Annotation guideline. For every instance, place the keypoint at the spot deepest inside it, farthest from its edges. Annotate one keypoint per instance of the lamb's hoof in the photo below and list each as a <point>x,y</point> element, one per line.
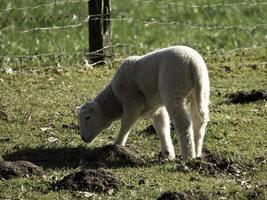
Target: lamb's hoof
<point>189,157</point>
<point>166,156</point>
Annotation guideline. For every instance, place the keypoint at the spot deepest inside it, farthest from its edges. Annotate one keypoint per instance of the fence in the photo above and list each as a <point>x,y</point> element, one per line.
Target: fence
<point>43,33</point>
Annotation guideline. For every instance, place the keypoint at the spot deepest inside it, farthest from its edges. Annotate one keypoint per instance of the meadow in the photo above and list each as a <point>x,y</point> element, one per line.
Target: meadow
<point>43,78</point>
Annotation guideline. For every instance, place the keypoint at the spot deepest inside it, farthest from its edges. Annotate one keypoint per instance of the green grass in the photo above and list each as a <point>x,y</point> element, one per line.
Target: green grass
<point>40,94</point>
<point>46,99</point>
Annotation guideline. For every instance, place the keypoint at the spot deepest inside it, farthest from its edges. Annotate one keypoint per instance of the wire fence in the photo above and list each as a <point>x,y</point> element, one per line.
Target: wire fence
<point>241,27</point>
<point>42,33</point>
<point>207,5</point>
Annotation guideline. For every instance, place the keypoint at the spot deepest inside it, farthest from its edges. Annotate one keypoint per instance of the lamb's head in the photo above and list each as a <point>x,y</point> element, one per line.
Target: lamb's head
<point>91,120</point>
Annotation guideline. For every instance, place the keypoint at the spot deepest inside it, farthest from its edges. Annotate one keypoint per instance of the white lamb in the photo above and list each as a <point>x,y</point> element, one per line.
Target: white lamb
<point>169,82</point>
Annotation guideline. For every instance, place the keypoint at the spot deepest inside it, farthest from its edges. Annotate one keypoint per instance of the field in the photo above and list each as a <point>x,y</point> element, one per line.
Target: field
<point>40,89</point>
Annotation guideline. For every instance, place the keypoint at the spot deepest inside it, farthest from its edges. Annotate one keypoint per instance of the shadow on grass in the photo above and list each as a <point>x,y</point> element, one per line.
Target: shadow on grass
<point>67,157</point>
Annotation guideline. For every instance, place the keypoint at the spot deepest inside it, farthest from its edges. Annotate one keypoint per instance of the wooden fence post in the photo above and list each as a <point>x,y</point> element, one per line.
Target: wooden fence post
<point>96,53</point>
<point>106,17</point>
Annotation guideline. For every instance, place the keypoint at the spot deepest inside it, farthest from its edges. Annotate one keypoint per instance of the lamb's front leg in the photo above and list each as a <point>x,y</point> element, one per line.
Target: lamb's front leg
<point>127,122</point>
<point>131,113</point>
<point>161,123</point>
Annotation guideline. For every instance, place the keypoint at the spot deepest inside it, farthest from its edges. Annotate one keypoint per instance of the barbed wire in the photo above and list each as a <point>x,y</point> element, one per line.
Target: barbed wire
<point>119,45</point>
<point>209,5</point>
<point>198,26</point>
<point>55,3</point>
<point>151,21</point>
<point>58,54</point>
<point>146,2</point>
<point>73,17</point>
<point>42,18</point>
<point>239,49</point>
<point>246,28</point>
<point>86,17</point>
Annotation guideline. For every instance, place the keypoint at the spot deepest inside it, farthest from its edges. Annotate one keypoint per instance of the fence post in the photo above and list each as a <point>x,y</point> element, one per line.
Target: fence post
<point>106,17</point>
<point>96,53</point>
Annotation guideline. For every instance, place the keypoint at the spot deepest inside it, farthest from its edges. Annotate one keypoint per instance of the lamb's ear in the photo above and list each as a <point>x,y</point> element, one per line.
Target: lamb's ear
<point>77,111</point>
<point>92,106</point>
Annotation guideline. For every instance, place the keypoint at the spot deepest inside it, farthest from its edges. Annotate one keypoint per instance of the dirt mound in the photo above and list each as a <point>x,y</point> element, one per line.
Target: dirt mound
<point>214,164</point>
<point>249,194</point>
<point>256,193</point>
<point>89,180</point>
<point>116,156</point>
<point>9,170</point>
<point>187,195</point>
<point>243,97</point>
<point>107,156</point>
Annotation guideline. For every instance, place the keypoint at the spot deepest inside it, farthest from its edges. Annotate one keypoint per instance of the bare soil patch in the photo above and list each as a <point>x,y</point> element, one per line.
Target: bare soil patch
<point>3,115</point>
<point>108,156</point>
<point>9,169</point>
<point>215,164</point>
<point>116,156</point>
<point>256,193</point>
<point>187,195</point>
<point>243,97</point>
<point>89,180</point>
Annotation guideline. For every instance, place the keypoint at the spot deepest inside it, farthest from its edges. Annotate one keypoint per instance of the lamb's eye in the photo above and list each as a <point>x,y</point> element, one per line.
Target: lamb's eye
<point>87,117</point>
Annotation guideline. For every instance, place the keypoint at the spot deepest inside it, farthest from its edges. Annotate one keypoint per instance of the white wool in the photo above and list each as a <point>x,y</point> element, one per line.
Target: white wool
<point>168,83</point>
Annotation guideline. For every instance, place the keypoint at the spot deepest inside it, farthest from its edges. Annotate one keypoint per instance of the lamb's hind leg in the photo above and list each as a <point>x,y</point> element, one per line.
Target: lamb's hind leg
<point>183,126</point>
<point>199,123</point>
<point>161,123</point>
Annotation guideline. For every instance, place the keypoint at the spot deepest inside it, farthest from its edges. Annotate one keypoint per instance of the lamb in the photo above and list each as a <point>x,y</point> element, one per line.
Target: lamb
<point>170,83</point>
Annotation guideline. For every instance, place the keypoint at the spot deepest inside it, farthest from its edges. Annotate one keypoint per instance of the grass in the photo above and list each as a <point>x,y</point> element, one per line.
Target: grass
<point>40,94</point>
<point>34,100</point>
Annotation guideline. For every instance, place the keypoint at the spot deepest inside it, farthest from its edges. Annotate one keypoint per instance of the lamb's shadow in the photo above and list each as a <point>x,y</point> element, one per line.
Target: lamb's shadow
<point>66,157</point>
